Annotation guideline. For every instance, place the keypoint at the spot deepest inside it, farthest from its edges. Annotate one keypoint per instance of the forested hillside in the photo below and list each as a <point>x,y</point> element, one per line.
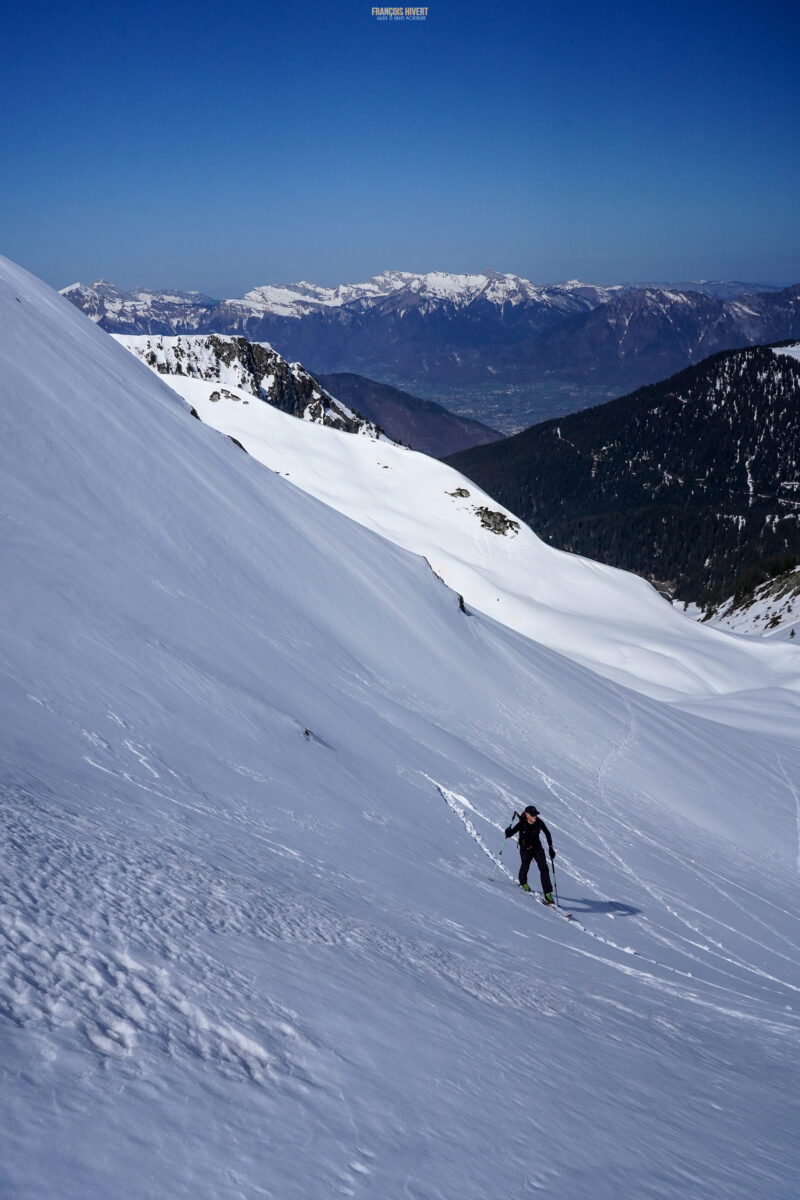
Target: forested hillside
<point>688,482</point>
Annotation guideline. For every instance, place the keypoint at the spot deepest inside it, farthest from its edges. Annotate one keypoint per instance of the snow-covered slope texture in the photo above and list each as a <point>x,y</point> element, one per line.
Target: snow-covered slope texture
<point>791,350</point>
<point>255,761</point>
<point>254,367</point>
<point>606,619</point>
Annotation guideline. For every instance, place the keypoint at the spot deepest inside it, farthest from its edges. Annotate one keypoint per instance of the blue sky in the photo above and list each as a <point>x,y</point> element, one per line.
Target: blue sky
<point>201,146</point>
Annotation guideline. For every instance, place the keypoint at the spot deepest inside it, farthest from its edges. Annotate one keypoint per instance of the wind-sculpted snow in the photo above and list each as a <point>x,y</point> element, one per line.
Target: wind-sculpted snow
<point>256,763</point>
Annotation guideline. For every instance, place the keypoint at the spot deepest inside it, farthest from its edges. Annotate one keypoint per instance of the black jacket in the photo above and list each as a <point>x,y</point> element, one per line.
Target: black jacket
<point>529,833</point>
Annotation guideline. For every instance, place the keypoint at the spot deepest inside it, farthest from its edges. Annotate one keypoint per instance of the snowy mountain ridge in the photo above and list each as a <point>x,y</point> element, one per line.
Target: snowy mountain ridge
<point>298,299</point>
<point>102,299</point>
<point>501,568</point>
<point>179,312</point>
<point>247,367</point>
<point>492,347</point>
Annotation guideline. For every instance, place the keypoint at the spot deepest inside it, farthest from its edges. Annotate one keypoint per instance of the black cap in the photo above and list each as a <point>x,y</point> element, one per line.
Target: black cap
<point>532,810</point>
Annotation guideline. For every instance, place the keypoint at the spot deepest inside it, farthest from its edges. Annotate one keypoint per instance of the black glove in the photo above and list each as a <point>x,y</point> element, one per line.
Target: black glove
<point>552,853</point>
<point>508,831</point>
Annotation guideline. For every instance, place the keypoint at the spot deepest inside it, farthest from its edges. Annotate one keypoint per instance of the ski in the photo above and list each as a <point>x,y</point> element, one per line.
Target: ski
<point>556,907</point>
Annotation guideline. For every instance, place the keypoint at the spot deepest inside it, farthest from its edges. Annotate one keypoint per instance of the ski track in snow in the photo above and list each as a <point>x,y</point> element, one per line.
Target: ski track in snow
<point>709,945</point>
<point>796,798</point>
<point>458,803</point>
<point>606,810</point>
<point>145,756</point>
<point>560,792</point>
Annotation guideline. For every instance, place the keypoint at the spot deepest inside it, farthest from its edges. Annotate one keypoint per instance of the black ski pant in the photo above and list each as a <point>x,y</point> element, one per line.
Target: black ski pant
<point>527,854</point>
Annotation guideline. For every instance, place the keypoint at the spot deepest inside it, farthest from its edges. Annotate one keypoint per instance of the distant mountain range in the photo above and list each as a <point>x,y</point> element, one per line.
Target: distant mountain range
<point>141,310</point>
<point>690,482</point>
<point>492,347</point>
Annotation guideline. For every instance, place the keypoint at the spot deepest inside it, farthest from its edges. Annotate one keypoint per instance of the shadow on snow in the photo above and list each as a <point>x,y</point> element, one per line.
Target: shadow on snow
<point>613,907</point>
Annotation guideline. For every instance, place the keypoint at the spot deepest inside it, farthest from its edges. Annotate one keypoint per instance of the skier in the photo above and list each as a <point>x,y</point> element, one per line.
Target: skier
<point>529,827</point>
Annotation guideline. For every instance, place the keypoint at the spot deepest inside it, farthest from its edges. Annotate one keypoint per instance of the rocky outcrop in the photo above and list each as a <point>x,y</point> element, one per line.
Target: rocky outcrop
<point>252,367</point>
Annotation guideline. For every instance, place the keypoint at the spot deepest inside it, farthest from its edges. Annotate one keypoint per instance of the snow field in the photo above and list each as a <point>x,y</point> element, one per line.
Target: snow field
<point>256,763</point>
<point>606,619</point>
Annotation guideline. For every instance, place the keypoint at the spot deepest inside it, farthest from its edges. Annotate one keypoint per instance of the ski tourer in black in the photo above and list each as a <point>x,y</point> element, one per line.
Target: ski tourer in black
<point>530,827</point>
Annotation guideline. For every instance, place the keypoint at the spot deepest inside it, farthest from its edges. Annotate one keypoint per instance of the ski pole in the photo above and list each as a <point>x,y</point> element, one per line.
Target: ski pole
<point>497,860</point>
<point>502,848</point>
<point>555,883</point>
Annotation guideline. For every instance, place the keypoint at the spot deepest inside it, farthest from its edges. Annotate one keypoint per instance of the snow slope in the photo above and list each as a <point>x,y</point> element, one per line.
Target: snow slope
<point>255,761</point>
<point>770,611</point>
<point>606,619</point>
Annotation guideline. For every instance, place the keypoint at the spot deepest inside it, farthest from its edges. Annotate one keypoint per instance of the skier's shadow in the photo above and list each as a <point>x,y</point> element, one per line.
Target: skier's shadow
<point>613,907</point>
